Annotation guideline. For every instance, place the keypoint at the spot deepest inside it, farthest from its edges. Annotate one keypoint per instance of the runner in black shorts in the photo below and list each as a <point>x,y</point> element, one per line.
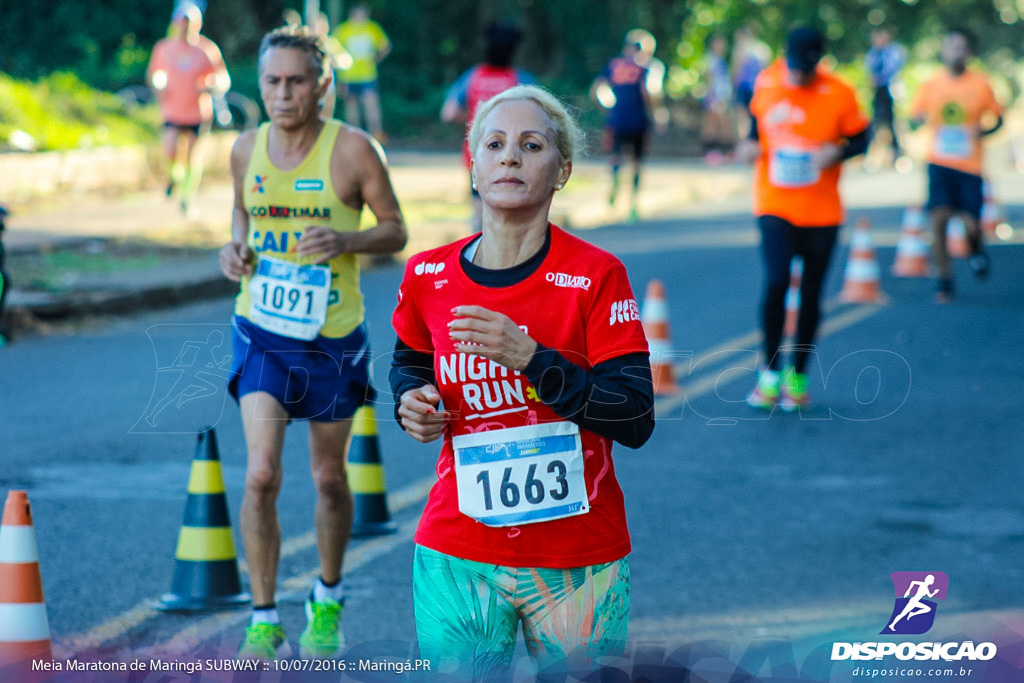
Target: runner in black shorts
<point>954,103</point>
<point>621,88</point>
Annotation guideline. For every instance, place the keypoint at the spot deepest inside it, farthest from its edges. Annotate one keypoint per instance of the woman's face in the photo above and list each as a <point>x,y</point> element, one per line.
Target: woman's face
<point>516,162</point>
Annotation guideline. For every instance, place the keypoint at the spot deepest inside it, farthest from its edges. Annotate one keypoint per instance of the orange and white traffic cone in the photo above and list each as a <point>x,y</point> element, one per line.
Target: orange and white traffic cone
<point>24,628</point>
<point>654,317</point>
<point>956,238</point>
<point>796,273</point>
<point>911,250</point>
<point>992,215</point>
<point>861,284</point>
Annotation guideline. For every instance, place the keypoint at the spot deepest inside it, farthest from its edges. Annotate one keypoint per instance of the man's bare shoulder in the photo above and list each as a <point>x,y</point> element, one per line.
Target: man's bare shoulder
<point>241,150</point>
<point>355,144</point>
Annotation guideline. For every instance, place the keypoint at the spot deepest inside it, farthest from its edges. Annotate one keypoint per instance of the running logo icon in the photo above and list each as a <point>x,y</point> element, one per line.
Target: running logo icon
<point>916,592</point>
<point>258,187</point>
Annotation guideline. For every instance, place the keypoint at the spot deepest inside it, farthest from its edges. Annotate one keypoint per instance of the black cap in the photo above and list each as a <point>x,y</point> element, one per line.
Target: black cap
<point>805,46</point>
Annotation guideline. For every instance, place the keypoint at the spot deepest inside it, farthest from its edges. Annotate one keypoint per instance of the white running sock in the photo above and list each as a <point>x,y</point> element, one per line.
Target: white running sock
<point>321,591</point>
<point>265,616</point>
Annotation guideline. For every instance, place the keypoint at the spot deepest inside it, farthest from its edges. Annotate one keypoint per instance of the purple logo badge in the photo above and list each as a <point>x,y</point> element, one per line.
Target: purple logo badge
<point>916,592</point>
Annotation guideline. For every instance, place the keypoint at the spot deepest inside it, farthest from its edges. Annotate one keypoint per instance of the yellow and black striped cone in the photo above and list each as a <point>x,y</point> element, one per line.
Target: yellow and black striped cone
<point>366,478</point>
<point>206,568</point>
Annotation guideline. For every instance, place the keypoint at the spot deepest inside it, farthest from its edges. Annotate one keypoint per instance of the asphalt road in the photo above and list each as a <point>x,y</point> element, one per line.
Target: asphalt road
<point>758,539</point>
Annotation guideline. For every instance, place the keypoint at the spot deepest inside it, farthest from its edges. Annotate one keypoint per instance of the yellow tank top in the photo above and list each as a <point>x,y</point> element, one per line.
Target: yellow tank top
<point>282,204</point>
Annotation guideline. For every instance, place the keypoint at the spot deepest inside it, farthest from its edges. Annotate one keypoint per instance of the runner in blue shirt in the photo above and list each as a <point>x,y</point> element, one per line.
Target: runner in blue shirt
<point>621,88</point>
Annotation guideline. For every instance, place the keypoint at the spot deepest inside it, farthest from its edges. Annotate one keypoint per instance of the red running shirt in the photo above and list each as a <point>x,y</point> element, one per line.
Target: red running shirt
<point>579,302</point>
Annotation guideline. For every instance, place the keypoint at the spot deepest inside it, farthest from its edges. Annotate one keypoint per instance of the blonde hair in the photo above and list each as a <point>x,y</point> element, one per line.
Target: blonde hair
<point>569,139</point>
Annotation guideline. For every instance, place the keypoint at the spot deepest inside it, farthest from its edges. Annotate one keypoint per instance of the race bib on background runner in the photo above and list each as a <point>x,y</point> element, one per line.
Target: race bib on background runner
<point>953,142</point>
<point>289,299</point>
<point>521,475</point>
<point>791,168</point>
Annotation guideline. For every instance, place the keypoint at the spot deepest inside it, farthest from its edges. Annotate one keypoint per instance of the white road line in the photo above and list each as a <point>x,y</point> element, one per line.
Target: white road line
<point>696,386</point>
<point>358,554</point>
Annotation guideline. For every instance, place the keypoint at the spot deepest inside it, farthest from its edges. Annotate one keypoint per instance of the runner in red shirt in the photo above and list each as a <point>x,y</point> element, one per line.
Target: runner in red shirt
<point>482,82</point>
<point>522,348</point>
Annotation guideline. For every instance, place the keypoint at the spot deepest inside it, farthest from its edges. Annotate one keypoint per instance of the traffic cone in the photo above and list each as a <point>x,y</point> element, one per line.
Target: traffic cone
<point>24,628</point>
<point>654,318</point>
<point>911,250</point>
<point>861,283</point>
<point>205,568</point>
<point>366,478</point>
<point>992,215</point>
<point>956,238</point>
<point>796,273</point>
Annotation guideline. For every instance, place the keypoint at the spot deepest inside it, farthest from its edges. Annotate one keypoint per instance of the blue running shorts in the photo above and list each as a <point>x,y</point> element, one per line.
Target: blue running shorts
<point>324,380</point>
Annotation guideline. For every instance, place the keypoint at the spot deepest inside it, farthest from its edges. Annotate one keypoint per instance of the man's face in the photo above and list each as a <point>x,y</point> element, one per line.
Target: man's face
<point>290,87</point>
<point>955,50</point>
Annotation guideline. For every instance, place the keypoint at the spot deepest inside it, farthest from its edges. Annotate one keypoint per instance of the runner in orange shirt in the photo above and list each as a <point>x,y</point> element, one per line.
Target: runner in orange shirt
<point>184,69</point>
<point>806,122</point>
<point>955,103</point>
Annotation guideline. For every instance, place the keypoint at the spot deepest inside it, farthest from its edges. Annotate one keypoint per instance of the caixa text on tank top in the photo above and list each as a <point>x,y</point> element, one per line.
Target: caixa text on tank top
<point>278,241</point>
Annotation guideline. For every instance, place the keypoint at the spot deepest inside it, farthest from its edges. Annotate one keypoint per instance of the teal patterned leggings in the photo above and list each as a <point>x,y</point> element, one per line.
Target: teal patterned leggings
<point>468,614</point>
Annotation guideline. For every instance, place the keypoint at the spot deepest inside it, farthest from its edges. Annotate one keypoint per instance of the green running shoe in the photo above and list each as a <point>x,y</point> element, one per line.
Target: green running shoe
<point>794,394</point>
<point>264,642</point>
<point>322,638</point>
<point>766,393</point>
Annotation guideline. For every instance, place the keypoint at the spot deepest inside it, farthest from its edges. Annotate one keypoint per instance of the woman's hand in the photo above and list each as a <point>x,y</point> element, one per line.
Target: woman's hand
<point>491,335</point>
<point>420,417</point>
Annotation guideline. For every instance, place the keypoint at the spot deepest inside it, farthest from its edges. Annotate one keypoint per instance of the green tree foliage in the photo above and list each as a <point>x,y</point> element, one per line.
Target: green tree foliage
<point>106,43</point>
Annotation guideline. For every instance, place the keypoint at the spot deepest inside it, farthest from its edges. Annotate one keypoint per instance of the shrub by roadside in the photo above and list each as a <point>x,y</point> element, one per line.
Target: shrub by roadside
<point>60,112</point>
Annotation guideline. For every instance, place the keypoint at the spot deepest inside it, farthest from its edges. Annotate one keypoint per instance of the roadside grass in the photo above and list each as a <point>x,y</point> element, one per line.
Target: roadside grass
<point>60,112</point>
<point>95,261</point>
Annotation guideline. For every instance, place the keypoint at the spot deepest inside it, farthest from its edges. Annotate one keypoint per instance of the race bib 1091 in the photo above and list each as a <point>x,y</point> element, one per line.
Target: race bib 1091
<point>289,299</point>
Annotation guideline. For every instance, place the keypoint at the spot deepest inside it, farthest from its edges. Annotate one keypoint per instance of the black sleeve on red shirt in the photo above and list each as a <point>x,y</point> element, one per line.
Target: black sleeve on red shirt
<point>410,369</point>
<point>615,399</point>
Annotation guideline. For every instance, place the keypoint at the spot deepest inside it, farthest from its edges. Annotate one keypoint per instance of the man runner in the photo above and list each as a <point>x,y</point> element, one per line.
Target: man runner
<point>954,103</point>
<point>300,345</point>
<point>621,88</point>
